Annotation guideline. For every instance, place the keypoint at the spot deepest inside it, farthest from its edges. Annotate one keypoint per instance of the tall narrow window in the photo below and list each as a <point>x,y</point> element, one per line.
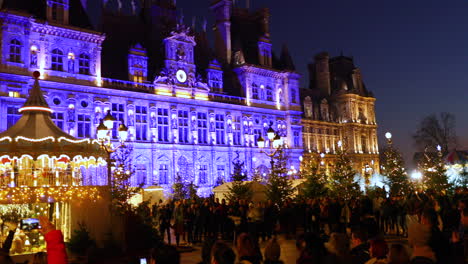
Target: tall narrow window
<point>203,174</point>
<point>57,60</point>
<point>202,122</point>
<point>83,64</point>
<point>257,134</point>
<point>140,173</point>
<point>255,91</point>
<point>58,119</point>
<point>221,173</point>
<point>118,112</point>
<point>84,126</point>
<point>219,119</point>
<point>296,139</point>
<point>15,51</point>
<point>163,173</point>
<point>12,115</point>
<point>141,117</point>
<point>237,133</point>
<point>138,73</point>
<point>293,96</point>
<point>163,125</point>
<point>269,93</point>
<point>183,127</point>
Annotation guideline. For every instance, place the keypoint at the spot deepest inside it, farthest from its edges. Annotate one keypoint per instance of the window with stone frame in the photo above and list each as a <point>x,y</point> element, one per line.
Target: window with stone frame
<point>183,126</point>
<point>221,172</point>
<point>58,118</point>
<point>163,173</point>
<point>84,126</point>
<point>202,124</point>
<point>203,174</point>
<point>257,134</point>
<point>163,125</point>
<point>140,174</point>
<point>255,92</point>
<point>364,144</point>
<point>219,124</point>
<point>138,73</point>
<point>83,64</point>
<point>57,60</point>
<point>141,123</point>
<point>118,112</point>
<point>15,50</point>
<point>269,93</point>
<point>236,131</point>
<point>13,115</point>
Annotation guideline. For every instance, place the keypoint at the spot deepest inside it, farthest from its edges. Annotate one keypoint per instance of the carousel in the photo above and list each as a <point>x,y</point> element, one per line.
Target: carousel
<point>43,170</point>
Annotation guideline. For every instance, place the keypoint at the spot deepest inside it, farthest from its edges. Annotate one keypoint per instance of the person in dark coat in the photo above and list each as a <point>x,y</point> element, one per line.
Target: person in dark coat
<point>359,246</point>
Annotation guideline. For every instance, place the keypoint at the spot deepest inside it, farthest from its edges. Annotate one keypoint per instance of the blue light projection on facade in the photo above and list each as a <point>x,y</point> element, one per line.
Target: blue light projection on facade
<point>182,121</point>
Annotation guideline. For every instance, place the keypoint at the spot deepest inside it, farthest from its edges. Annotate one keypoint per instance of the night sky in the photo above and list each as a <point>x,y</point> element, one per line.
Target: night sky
<point>413,54</point>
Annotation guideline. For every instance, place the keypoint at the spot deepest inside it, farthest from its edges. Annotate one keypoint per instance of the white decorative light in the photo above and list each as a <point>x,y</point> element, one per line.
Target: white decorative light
<point>388,135</point>
<point>35,140</point>
<point>439,148</point>
<point>416,175</point>
<point>35,108</point>
<point>340,143</point>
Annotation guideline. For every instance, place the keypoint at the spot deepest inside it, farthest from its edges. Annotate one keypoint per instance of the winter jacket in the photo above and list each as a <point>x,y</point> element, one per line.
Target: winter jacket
<point>56,253</point>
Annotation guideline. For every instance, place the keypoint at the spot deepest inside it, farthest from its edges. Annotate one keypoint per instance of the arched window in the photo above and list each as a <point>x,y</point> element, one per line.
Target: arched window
<point>15,51</point>
<point>83,62</point>
<point>57,60</point>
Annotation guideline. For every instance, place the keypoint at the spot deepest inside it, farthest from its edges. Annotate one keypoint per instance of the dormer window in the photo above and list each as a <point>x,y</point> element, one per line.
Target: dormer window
<point>137,64</point>
<point>57,11</point>
<point>15,51</point>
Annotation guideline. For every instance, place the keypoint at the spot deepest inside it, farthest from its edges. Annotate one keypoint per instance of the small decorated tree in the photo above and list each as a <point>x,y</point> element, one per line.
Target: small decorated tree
<point>279,187</point>
<point>315,177</point>
<point>239,189</point>
<point>342,177</point>
<point>434,173</point>
<point>393,167</point>
<point>179,188</point>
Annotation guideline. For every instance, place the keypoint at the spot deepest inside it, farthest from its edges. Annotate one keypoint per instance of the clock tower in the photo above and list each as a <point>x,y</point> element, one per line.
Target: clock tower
<point>179,77</point>
<point>179,56</point>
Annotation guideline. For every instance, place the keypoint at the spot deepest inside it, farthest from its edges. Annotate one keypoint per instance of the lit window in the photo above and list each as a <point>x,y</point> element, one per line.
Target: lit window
<point>15,51</point>
<point>58,119</point>
<point>13,94</point>
<point>140,174</point>
<point>221,172</point>
<point>236,135</point>
<point>297,138</point>
<point>83,64</point>
<point>118,112</point>
<point>84,126</point>
<point>255,91</point>
<point>57,60</point>
<point>269,94</point>
<point>203,174</point>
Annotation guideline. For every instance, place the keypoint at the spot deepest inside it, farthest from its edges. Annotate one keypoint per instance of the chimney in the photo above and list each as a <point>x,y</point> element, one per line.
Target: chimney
<point>222,10</point>
<point>322,73</point>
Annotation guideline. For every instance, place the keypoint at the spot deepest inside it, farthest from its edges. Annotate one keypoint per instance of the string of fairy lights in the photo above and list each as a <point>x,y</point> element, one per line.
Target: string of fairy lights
<point>23,195</point>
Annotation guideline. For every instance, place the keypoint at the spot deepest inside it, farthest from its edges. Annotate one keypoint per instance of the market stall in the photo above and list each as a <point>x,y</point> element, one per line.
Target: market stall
<point>44,171</point>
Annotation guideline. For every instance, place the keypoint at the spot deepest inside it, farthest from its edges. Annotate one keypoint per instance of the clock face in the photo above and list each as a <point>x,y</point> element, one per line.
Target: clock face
<point>181,76</point>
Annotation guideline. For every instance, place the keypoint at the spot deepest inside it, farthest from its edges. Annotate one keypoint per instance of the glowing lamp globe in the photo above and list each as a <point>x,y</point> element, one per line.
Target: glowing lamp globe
<point>439,148</point>
<point>322,155</point>
<point>123,132</point>
<point>340,143</point>
<point>277,141</point>
<point>109,120</point>
<point>388,135</point>
<point>416,175</point>
<point>261,142</point>
<point>300,158</point>
<point>101,131</point>
<point>271,133</point>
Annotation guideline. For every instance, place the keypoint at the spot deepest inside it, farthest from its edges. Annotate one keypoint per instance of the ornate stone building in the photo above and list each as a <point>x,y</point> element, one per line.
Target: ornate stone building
<point>338,107</point>
<point>189,107</point>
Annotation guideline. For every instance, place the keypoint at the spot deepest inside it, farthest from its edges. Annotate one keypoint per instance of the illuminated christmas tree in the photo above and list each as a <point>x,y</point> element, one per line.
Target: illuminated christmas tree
<point>342,177</point>
<point>179,189</point>
<point>239,189</point>
<point>279,187</point>
<point>315,177</point>
<point>434,173</point>
<point>393,167</point>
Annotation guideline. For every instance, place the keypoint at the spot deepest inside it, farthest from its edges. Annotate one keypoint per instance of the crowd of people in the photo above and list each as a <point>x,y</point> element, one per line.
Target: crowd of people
<point>333,230</point>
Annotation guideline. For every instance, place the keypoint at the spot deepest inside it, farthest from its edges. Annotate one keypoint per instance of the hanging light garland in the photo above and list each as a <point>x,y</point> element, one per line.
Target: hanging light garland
<point>22,195</point>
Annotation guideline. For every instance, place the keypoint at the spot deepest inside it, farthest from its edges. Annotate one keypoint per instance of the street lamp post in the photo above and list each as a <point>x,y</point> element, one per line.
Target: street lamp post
<point>274,145</point>
<point>104,137</point>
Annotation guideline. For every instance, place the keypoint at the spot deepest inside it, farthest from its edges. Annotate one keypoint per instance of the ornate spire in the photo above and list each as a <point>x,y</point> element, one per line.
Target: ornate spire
<point>36,101</point>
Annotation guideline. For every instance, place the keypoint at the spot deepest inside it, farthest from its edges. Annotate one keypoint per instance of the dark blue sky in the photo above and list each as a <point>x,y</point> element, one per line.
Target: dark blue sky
<point>413,54</point>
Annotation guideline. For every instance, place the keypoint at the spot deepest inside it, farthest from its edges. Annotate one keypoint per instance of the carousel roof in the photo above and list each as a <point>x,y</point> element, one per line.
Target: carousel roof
<point>36,134</point>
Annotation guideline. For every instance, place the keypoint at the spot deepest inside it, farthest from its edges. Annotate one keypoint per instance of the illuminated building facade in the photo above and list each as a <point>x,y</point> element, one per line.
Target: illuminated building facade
<point>189,108</point>
<point>338,107</point>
